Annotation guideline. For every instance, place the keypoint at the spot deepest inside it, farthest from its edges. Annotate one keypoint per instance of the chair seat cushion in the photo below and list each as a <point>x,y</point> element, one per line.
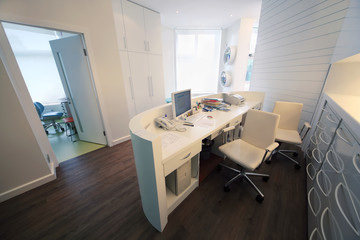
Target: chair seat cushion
<point>288,136</point>
<point>52,115</point>
<point>243,153</point>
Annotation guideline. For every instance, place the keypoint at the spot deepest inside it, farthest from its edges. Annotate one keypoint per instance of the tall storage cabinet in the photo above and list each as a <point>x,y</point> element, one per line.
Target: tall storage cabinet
<point>333,170</point>
<point>139,40</point>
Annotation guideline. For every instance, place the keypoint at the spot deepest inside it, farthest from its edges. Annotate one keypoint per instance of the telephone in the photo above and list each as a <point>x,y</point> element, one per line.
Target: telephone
<point>164,123</point>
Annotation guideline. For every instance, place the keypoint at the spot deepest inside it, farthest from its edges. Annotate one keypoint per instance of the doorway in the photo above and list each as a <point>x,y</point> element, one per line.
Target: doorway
<point>49,76</point>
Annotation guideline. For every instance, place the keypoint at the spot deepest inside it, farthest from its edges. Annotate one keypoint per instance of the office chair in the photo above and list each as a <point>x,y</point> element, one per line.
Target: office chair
<point>255,145</point>
<point>287,132</point>
<point>48,117</point>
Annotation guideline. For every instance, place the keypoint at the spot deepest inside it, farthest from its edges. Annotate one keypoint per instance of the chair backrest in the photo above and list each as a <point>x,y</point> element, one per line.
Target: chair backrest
<point>260,128</point>
<point>290,113</point>
<point>39,108</point>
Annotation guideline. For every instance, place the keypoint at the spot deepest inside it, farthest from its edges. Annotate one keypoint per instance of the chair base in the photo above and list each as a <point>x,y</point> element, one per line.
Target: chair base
<point>244,175</point>
<point>53,124</point>
<point>284,153</point>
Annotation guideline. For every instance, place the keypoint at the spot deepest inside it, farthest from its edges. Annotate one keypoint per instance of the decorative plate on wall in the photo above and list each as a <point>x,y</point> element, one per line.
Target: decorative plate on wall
<point>225,79</point>
<point>229,55</point>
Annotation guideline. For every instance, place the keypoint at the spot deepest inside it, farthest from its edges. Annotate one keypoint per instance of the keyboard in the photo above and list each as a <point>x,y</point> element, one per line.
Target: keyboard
<point>194,118</point>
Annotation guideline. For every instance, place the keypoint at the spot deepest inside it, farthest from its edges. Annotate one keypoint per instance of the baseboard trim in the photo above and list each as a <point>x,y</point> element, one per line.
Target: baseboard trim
<point>120,140</point>
<point>26,187</point>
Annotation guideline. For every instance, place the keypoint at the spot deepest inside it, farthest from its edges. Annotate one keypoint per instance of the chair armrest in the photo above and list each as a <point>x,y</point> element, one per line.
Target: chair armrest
<point>308,127</point>
<point>272,147</point>
<point>225,130</point>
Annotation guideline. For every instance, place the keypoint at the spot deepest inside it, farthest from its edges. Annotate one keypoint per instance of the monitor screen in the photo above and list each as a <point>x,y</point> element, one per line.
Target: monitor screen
<point>181,102</point>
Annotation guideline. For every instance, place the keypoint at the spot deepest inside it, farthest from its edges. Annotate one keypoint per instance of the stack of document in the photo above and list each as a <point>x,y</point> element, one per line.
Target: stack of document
<point>213,102</point>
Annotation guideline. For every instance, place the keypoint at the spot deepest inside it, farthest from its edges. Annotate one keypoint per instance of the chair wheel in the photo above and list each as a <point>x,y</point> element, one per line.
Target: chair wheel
<point>295,154</point>
<point>265,178</point>
<point>226,189</point>
<point>297,166</point>
<point>62,129</point>
<point>47,132</point>
<point>259,198</point>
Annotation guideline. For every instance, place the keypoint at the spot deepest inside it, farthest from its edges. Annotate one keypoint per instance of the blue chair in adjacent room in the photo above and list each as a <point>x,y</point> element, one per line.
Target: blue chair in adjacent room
<point>48,119</point>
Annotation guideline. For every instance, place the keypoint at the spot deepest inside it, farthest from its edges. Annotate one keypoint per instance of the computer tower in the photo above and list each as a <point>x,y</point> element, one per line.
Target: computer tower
<point>180,179</point>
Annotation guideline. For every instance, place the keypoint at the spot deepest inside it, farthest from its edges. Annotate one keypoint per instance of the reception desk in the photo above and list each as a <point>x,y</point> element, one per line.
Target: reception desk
<point>158,153</point>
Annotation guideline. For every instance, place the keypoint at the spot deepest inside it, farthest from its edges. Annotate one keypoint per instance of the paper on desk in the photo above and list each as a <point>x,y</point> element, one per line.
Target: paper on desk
<point>206,122</point>
<point>170,141</point>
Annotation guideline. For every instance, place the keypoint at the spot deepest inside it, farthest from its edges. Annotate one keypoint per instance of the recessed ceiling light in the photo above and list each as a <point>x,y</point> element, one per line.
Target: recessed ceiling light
<point>231,15</point>
<point>177,12</point>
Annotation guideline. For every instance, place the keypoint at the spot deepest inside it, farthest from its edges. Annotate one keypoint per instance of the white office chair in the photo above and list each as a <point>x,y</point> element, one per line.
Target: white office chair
<point>287,132</point>
<point>255,145</point>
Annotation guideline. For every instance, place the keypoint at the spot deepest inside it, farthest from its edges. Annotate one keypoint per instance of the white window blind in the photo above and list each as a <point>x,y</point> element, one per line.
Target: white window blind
<point>197,60</point>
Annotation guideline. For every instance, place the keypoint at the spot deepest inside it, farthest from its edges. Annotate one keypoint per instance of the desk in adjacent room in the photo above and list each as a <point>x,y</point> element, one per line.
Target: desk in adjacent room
<point>155,158</point>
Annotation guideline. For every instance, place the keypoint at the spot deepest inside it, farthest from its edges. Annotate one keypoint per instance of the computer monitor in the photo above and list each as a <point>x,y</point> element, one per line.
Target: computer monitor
<point>181,103</point>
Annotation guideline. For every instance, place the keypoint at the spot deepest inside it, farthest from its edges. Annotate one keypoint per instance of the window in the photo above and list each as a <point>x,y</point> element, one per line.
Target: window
<point>197,60</point>
<point>37,65</point>
<point>251,53</point>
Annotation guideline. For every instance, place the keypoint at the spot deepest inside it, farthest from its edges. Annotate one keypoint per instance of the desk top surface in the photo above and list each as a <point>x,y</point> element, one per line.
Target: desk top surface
<point>174,142</point>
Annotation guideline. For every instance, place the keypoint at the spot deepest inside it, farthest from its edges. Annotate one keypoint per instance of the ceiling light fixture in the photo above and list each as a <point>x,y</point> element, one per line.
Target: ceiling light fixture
<point>177,12</point>
<point>231,15</point>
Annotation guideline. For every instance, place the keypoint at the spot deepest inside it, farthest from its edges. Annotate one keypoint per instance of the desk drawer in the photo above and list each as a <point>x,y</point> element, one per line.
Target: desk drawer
<point>181,158</point>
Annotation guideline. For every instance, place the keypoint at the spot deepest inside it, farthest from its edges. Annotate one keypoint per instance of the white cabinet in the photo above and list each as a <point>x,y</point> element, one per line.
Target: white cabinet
<point>140,79</point>
<point>153,31</point>
<point>139,40</point>
<point>129,88</point>
<point>119,24</point>
<point>156,74</point>
<point>142,27</point>
<point>144,81</point>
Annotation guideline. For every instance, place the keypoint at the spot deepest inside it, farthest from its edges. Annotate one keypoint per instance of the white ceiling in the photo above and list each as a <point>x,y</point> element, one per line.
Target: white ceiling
<point>202,13</point>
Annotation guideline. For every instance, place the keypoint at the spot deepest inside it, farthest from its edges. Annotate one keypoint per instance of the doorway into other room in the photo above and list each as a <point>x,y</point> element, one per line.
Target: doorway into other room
<point>61,81</point>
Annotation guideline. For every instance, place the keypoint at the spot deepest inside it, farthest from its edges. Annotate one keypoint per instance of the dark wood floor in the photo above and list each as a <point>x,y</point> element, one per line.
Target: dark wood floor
<point>96,196</point>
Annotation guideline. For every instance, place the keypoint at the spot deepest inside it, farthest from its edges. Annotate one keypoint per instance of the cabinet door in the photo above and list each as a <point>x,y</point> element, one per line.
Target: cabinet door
<point>134,26</point>
<point>156,74</point>
<point>127,79</point>
<point>140,80</point>
<point>119,25</point>
<point>153,31</point>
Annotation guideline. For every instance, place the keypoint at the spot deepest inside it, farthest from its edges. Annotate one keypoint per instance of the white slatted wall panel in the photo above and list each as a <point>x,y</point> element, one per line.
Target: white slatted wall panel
<point>295,45</point>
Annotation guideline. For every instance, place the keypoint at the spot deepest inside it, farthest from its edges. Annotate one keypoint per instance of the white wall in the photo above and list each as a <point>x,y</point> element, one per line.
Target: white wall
<point>168,52</point>
<point>239,35</point>
<point>95,20</point>
<point>22,161</point>
<point>348,42</point>
<point>344,77</point>
<point>296,41</point>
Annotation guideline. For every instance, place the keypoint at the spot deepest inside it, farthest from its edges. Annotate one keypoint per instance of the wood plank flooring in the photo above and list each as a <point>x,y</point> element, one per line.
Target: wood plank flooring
<point>96,196</point>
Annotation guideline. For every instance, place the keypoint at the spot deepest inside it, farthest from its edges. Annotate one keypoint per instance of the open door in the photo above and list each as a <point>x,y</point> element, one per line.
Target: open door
<point>72,63</point>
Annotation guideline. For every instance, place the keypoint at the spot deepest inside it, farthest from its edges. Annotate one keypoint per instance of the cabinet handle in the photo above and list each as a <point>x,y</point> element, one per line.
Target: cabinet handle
<point>131,88</point>
<point>152,87</point>
<point>356,161</point>
<point>186,156</point>
<point>344,137</point>
<point>149,86</point>
<point>331,118</point>
<point>148,46</point>
<point>324,138</point>
<point>145,46</point>
<point>125,45</point>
